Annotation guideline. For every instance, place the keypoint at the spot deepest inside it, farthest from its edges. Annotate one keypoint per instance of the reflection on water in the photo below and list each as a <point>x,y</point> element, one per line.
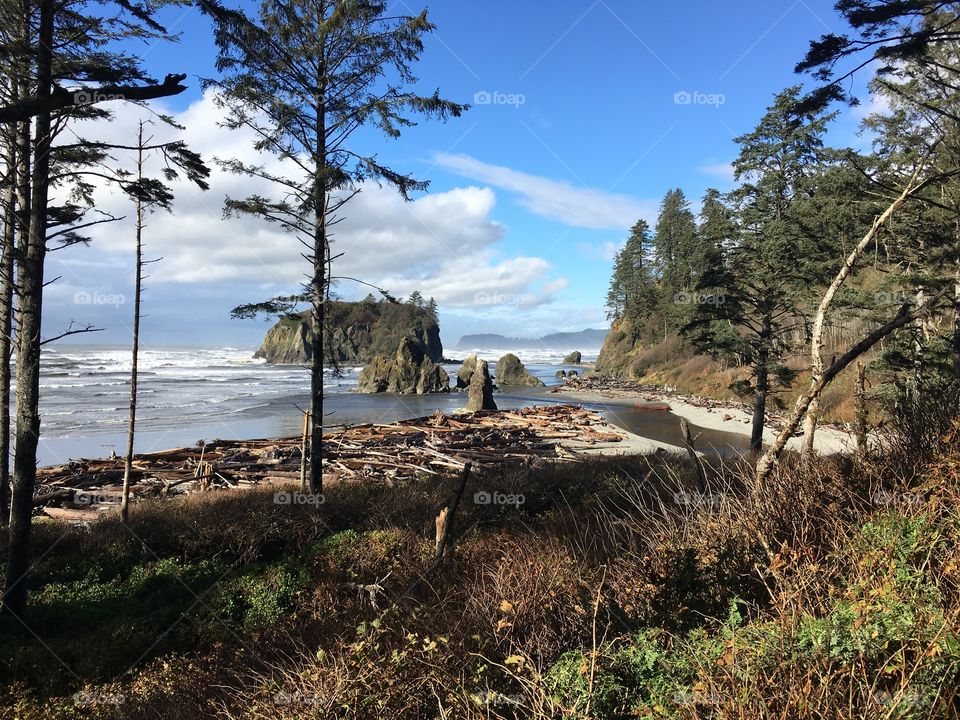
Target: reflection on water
<point>355,408</point>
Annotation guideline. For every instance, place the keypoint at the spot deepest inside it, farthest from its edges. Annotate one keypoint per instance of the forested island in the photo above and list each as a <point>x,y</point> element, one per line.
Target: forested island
<point>747,507</point>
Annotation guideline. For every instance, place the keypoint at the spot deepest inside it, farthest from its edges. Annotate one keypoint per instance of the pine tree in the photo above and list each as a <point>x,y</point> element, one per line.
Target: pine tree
<point>716,233</point>
<point>762,289</point>
<point>631,283</point>
<point>305,76</point>
<point>433,310</point>
<point>415,299</point>
<point>59,46</point>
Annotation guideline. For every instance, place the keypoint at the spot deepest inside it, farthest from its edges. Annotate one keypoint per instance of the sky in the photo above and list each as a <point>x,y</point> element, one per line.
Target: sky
<point>583,115</point>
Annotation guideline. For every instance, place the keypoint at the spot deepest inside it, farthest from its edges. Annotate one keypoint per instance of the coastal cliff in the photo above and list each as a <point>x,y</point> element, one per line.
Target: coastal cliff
<point>360,332</point>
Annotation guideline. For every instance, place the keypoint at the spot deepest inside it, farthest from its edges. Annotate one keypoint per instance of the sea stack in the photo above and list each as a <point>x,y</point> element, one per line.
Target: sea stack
<point>574,358</point>
<point>409,372</point>
<point>480,392</point>
<point>466,372</point>
<point>510,371</point>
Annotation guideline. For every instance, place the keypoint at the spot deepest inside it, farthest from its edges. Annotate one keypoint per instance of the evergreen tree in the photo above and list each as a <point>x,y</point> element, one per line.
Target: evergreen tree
<point>432,310</point>
<point>52,47</point>
<point>762,289</point>
<point>674,244</point>
<point>416,299</point>
<point>716,233</point>
<point>630,293</point>
<point>305,76</point>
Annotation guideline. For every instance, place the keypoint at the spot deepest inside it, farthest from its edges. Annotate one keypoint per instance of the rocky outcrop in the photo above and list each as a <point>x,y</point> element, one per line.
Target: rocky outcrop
<point>618,351</point>
<point>465,373</point>
<point>359,332</point>
<point>510,371</point>
<point>409,371</point>
<point>574,358</point>
<point>480,392</point>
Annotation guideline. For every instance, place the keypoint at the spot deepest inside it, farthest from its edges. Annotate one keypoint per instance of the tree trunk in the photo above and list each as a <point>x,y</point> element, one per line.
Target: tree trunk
<point>819,324</point>
<point>138,283</point>
<point>6,320</point>
<point>762,385</point>
<point>318,306</point>
<point>904,317</point>
<point>860,405</point>
<point>956,318</point>
<point>29,308</point>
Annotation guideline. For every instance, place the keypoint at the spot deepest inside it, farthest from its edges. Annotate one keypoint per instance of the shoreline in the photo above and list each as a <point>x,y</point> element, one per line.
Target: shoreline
<point>711,415</point>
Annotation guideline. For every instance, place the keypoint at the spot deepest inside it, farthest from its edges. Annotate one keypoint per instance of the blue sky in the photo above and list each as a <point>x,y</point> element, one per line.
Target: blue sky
<point>584,115</point>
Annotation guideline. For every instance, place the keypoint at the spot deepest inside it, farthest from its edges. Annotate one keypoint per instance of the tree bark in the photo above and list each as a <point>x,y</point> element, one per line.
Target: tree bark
<point>29,308</point>
<point>318,291</point>
<point>135,352</point>
<point>860,405</point>
<point>762,387</point>
<point>903,317</point>
<point>956,318</point>
<point>46,103</point>
<point>6,320</point>
<point>819,324</point>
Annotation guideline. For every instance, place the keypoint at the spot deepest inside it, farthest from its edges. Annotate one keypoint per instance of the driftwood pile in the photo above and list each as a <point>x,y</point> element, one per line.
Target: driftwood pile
<point>439,444</point>
<point>602,383</point>
<point>82,490</point>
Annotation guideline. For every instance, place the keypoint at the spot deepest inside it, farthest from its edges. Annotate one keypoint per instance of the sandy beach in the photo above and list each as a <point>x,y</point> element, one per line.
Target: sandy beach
<point>723,417</point>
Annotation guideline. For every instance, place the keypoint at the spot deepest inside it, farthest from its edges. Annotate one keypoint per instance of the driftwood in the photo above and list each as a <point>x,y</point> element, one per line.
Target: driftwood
<point>699,475</point>
<point>437,444</point>
<point>87,488</point>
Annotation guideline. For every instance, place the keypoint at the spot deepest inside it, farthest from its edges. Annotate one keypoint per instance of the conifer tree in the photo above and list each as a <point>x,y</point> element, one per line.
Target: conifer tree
<point>305,76</point>
<point>761,291</point>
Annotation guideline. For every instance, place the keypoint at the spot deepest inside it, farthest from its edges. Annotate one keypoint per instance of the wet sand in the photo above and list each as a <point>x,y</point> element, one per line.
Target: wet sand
<point>738,422</point>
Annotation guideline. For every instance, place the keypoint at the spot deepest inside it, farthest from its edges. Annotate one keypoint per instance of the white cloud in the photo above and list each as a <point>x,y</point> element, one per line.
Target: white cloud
<point>603,251</point>
<point>724,171</point>
<point>555,199</point>
<point>445,244</point>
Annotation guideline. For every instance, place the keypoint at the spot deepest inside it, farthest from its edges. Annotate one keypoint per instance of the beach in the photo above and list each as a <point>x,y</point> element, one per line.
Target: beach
<point>193,394</point>
<point>714,416</point>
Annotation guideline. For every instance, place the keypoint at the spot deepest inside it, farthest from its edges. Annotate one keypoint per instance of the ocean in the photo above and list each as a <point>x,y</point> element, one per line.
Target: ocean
<point>187,394</point>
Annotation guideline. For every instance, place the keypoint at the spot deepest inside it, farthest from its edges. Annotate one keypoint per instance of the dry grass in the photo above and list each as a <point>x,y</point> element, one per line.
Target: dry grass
<point>613,590</point>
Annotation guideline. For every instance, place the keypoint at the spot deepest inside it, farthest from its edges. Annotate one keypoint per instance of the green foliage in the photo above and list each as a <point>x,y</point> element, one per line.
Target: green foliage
<point>260,597</point>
